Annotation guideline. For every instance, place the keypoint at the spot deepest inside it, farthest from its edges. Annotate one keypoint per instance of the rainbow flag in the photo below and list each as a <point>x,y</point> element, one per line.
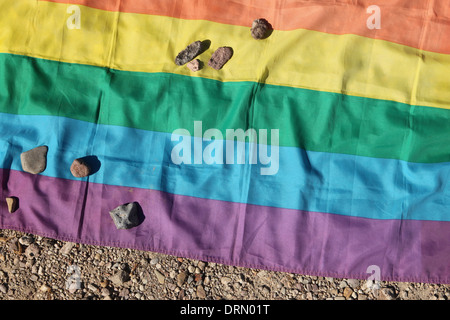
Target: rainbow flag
<point>323,149</point>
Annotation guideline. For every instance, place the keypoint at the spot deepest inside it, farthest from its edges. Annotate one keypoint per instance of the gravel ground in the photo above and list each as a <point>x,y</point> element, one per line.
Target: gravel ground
<point>40,268</point>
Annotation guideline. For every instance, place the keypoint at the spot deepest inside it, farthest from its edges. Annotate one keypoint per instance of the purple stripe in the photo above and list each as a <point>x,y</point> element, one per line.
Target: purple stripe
<point>231,233</point>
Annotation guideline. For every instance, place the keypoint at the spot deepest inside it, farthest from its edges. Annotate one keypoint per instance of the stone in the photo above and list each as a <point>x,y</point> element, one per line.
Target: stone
<point>119,278</point>
<point>12,203</point>
<point>126,216</point>
<point>194,65</point>
<point>201,292</point>
<point>160,277</point>
<point>386,294</point>
<point>26,240</point>
<point>347,292</point>
<point>35,160</point>
<point>201,265</point>
<point>80,168</point>
<point>32,251</point>
<point>198,277</point>
<point>191,268</point>
<point>65,249</point>
<point>92,287</point>
<point>220,57</point>
<point>353,283</point>
<point>189,53</point>
<point>45,288</point>
<point>105,292</point>
<point>181,278</point>
<point>225,280</point>
<point>260,29</point>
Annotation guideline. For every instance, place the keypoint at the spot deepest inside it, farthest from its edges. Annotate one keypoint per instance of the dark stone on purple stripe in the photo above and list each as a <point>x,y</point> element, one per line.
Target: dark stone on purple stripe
<point>126,216</point>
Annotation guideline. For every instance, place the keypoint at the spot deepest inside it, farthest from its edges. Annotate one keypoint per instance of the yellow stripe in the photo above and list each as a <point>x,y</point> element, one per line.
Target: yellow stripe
<point>348,64</point>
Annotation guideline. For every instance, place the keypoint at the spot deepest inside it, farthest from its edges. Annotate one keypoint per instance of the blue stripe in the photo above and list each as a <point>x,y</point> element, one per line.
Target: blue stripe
<point>312,181</point>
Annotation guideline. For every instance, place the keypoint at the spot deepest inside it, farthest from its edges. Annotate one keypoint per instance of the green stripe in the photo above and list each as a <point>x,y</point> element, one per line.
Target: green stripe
<point>312,120</point>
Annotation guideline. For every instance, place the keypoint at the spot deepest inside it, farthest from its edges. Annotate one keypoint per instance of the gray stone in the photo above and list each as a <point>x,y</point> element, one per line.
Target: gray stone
<point>66,248</point>
<point>353,283</point>
<point>92,287</point>
<point>3,288</point>
<point>105,292</point>
<point>189,53</point>
<point>126,216</point>
<point>201,265</point>
<point>191,268</point>
<point>386,294</point>
<point>26,240</point>
<point>35,160</point>
<point>32,251</point>
<point>160,277</point>
<point>225,280</point>
<point>120,277</point>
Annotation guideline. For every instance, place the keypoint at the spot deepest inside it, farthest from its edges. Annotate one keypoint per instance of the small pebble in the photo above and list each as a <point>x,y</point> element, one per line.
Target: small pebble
<point>92,287</point>
<point>26,240</point>
<point>201,292</point>
<point>194,65</point>
<point>120,277</point>
<point>65,249</point>
<point>160,277</point>
<point>32,250</point>
<point>12,203</point>
<point>191,268</point>
<point>45,288</point>
<point>80,168</point>
<point>181,278</point>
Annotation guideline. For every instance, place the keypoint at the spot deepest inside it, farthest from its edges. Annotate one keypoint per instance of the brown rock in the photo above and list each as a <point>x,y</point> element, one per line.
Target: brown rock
<point>347,292</point>
<point>260,29</point>
<point>35,160</point>
<point>198,277</point>
<point>220,57</point>
<point>194,65</point>
<point>201,292</point>
<point>79,168</point>
<point>12,203</point>
<point>181,277</point>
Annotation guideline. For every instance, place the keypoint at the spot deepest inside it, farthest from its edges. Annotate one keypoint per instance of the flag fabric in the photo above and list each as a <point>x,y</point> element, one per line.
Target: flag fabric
<point>344,107</point>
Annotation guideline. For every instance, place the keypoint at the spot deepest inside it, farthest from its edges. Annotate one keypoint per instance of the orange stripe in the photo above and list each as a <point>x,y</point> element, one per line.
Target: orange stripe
<point>415,23</point>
